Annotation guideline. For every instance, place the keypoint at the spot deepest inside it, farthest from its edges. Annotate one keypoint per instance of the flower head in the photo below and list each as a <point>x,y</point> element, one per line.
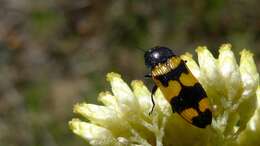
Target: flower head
<point>124,119</point>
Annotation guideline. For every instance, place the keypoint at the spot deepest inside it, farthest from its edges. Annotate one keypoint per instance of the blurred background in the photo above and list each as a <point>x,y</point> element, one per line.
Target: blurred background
<point>55,53</point>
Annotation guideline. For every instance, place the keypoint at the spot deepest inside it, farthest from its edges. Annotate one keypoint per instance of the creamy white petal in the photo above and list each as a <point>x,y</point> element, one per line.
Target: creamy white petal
<point>208,66</point>
<point>95,112</point>
<point>122,92</point>
<point>109,100</point>
<point>94,134</point>
<point>249,74</point>
<point>231,90</point>
<point>104,116</point>
<point>247,102</point>
<point>143,95</point>
<point>229,71</point>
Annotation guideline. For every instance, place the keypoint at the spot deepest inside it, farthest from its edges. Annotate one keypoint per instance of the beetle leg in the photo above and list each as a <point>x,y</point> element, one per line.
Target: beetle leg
<point>148,76</point>
<point>153,92</point>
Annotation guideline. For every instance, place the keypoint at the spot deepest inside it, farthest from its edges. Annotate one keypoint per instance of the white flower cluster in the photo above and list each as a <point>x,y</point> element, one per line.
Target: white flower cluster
<point>123,120</point>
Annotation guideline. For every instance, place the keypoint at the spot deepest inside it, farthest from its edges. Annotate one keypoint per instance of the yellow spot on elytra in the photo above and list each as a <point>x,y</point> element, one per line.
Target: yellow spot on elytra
<point>203,104</point>
<point>174,62</point>
<point>173,89</point>
<point>188,79</point>
<point>189,113</point>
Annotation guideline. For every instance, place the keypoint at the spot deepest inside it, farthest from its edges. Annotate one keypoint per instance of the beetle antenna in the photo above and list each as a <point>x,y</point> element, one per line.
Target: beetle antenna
<point>141,49</point>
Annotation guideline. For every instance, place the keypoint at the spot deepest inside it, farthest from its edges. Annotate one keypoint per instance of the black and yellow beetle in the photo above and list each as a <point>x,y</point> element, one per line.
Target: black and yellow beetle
<point>185,94</point>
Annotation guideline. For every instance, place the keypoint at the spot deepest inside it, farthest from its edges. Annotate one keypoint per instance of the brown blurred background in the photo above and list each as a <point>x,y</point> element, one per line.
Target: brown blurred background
<point>54,53</point>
